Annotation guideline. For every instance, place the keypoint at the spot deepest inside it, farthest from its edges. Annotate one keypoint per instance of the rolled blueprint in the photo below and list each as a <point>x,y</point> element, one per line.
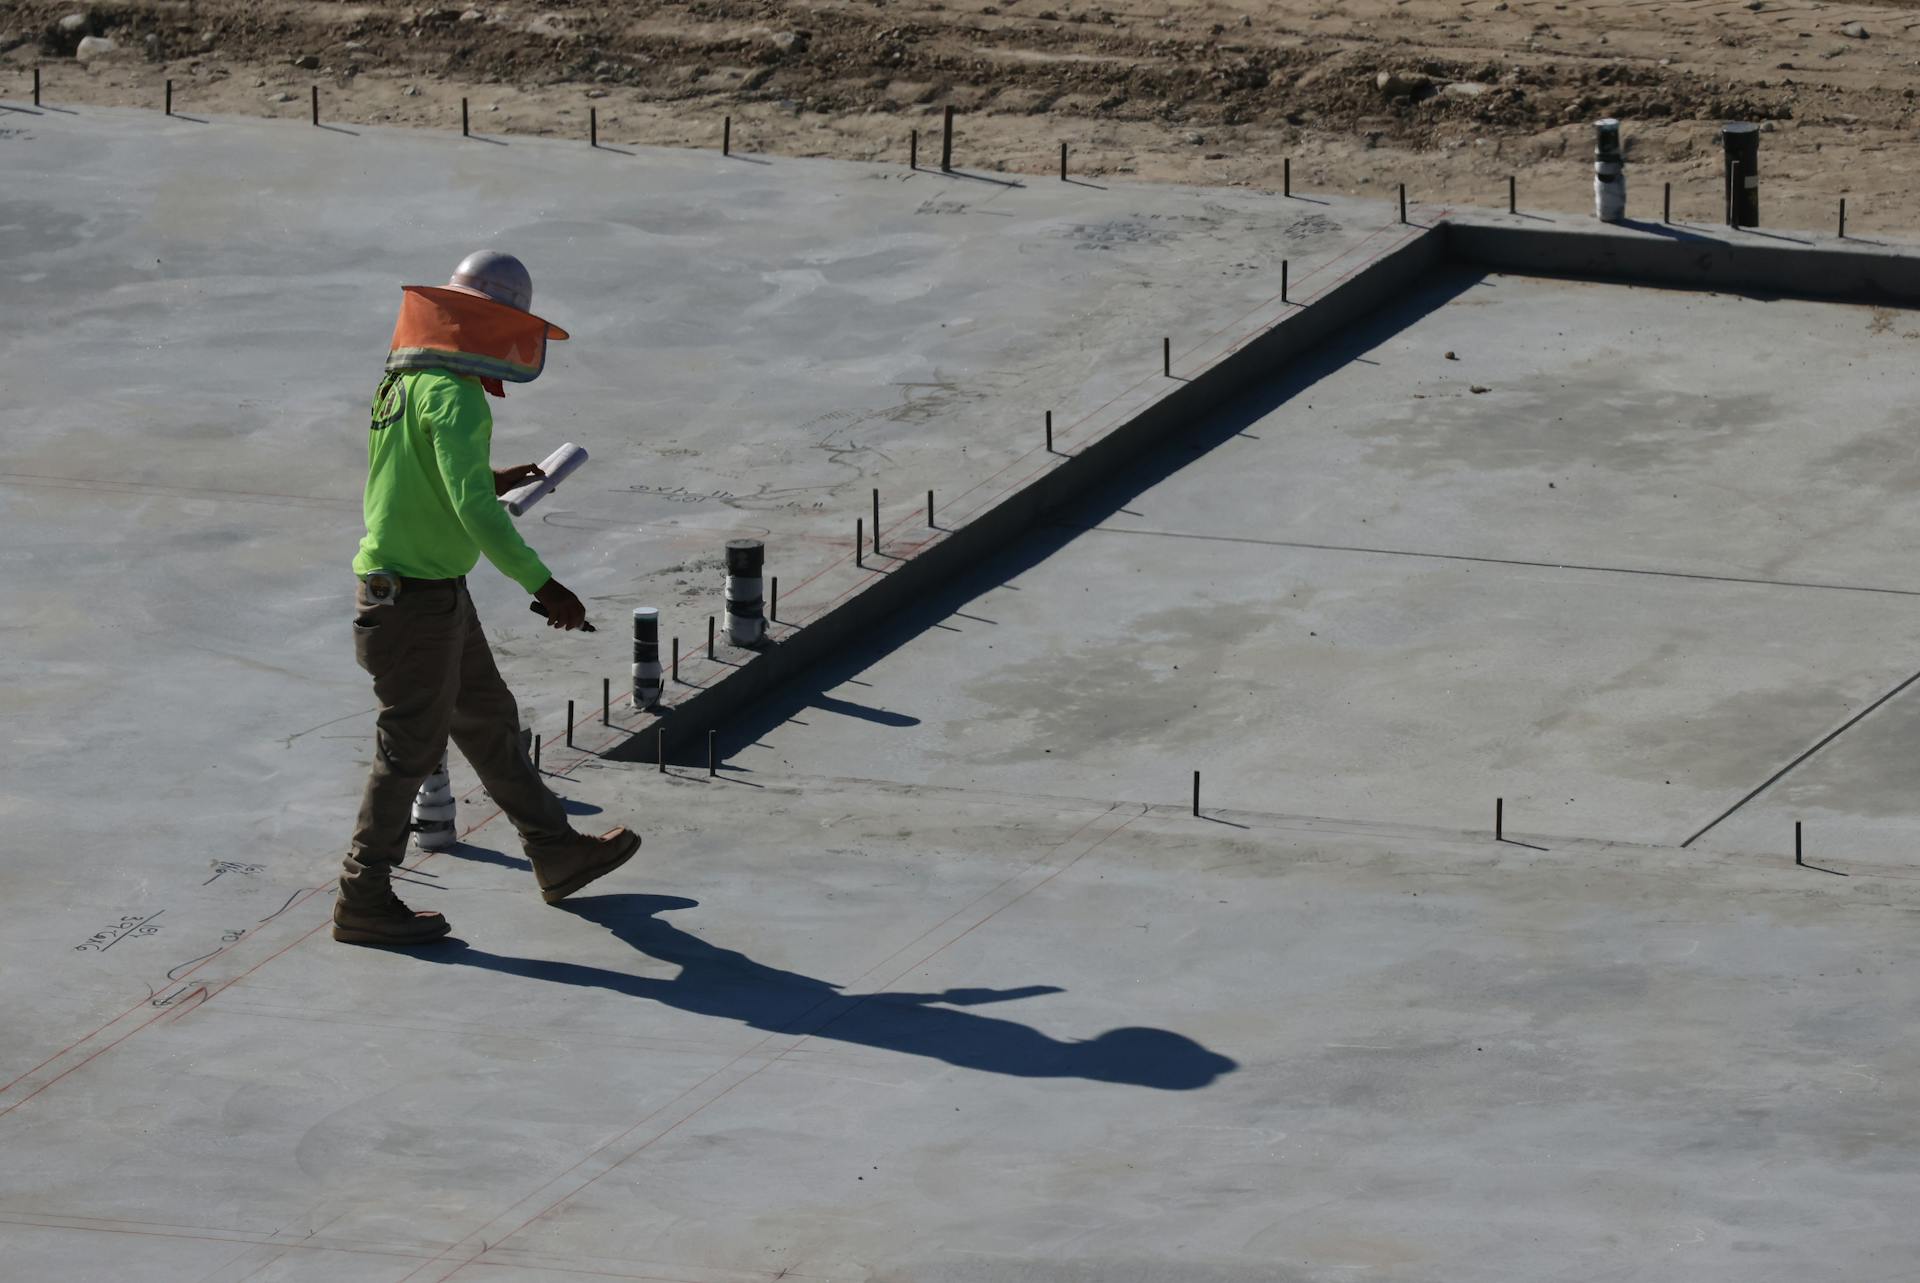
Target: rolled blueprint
<point>558,466</point>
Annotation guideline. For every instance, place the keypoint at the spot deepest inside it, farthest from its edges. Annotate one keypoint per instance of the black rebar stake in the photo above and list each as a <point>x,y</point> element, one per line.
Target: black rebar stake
<point>1403,202</point>
<point>913,150</point>
<point>1049,431</point>
<point>726,135</point>
<point>1499,819</point>
<point>1283,280</point>
<point>711,628</point>
<point>1513,194</point>
<point>876,523</point>
<point>569,723</point>
<point>859,541</point>
<point>1286,176</point>
<point>169,97</point>
<point>946,143</point>
<point>593,126</point>
<point>773,601</point>
<point>606,701</point>
<point>713,754</point>
<point>466,127</point>
<point>1666,203</point>
<point>1799,855</point>
<point>316,104</point>
<point>1166,357</point>
<point>536,752</point>
<point>1843,218</point>
<point>676,659</point>
<point>36,86</point>
<point>930,524</point>
<point>1063,162</point>
<point>1196,792</point>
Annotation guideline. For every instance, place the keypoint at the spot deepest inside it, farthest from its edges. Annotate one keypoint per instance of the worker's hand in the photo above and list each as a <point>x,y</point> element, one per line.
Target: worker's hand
<point>505,479</point>
<point>564,610</point>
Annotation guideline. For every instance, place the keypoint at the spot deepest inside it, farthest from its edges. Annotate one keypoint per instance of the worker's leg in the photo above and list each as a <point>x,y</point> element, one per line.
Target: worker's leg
<point>411,648</point>
<point>486,728</point>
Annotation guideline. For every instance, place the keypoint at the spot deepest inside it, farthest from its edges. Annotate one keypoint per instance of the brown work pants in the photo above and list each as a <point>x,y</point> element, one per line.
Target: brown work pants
<point>434,676</point>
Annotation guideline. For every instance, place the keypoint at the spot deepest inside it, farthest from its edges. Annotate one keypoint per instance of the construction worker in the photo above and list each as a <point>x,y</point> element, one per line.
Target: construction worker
<point>432,509</point>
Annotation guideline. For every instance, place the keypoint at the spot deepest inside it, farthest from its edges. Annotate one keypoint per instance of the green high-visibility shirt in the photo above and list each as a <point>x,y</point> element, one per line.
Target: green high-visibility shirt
<point>430,506</point>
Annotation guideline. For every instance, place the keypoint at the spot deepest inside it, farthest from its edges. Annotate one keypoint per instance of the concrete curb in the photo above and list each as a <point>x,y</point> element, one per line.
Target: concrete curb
<point>1254,363</point>
<point>1799,265</point>
<point>1655,254</point>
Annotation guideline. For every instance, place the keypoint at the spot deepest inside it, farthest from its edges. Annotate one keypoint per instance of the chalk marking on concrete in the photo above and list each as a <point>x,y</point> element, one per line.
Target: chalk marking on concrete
<point>1309,546</point>
<point>1778,775</point>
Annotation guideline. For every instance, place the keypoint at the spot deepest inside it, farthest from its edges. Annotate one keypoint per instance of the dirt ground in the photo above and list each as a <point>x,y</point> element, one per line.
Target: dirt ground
<point>1449,96</point>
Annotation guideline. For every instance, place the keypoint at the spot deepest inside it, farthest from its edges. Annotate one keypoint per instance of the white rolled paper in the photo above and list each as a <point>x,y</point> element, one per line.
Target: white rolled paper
<point>558,466</point>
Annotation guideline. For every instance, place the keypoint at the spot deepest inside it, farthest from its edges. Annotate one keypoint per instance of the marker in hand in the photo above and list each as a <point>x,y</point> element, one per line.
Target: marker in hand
<point>542,611</point>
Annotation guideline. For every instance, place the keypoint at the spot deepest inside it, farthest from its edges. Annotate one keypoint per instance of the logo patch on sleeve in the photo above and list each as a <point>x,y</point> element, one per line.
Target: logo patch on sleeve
<point>390,404</point>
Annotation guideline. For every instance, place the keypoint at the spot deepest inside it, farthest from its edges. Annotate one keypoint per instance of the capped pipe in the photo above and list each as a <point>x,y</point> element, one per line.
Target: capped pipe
<point>1609,172</point>
<point>746,613</point>
<point>647,684</point>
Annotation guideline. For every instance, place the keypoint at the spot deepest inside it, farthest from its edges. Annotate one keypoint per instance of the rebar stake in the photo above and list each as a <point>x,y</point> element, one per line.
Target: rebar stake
<point>1499,819</point>
<point>169,98</point>
<point>536,752</point>
<point>859,541</point>
<point>1799,855</point>
<point>1049,431</point>
<point>1196,792</point>
<point>930,524</point>
<point>876,522</point>
<point>569,723</point>
<point>1843,218</point>
<point>1286,176</point>
<point>593,126</point>
<point>606,701</point>
<point>1666,203</point>
<point>1283,280</point>
<point>711,628</point>
<point>1166,357</point>
<point>676,659</point>
<point>316,104</point>
<point>773,600</point>
<point>946,143</point>
<point>36,86</point>
<point>913,150</point>
<point>1403,202</point>
<point>1513,194</point>
<point>726,135</point>
<point>1063,162</point>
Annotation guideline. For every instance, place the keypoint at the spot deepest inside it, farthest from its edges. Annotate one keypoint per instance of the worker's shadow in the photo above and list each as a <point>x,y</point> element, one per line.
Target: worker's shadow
<point>727,984</point>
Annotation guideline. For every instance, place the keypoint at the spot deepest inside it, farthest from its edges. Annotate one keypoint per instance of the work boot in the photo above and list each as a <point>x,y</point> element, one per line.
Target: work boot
<point>380,918</point>
<point>566,865</point>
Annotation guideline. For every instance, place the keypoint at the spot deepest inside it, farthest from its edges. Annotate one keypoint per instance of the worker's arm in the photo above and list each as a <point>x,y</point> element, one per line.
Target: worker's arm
<point>462,425</point>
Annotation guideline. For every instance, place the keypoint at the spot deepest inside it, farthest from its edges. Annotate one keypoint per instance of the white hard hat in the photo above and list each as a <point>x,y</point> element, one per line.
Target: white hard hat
<point>500,277</point>
<point>491,274</point>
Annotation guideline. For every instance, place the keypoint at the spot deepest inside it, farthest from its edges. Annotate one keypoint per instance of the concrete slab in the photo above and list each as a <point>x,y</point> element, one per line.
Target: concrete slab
<point>938,980</point>
<point>897,1032</point>
<point>1609,553</point>
<point>196,317</point>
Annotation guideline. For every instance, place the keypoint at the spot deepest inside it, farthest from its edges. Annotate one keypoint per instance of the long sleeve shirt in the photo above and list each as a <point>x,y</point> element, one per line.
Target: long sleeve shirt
<point>430,505</point>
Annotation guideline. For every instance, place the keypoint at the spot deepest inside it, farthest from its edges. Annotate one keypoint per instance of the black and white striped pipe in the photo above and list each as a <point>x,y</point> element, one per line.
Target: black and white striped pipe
<point>1609,173</point>
<point>746,608</point>
<point>646,657</point>
<point>433,807</point>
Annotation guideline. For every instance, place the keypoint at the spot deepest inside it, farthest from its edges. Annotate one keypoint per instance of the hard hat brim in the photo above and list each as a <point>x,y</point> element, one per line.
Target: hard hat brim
<point>554,332</point>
